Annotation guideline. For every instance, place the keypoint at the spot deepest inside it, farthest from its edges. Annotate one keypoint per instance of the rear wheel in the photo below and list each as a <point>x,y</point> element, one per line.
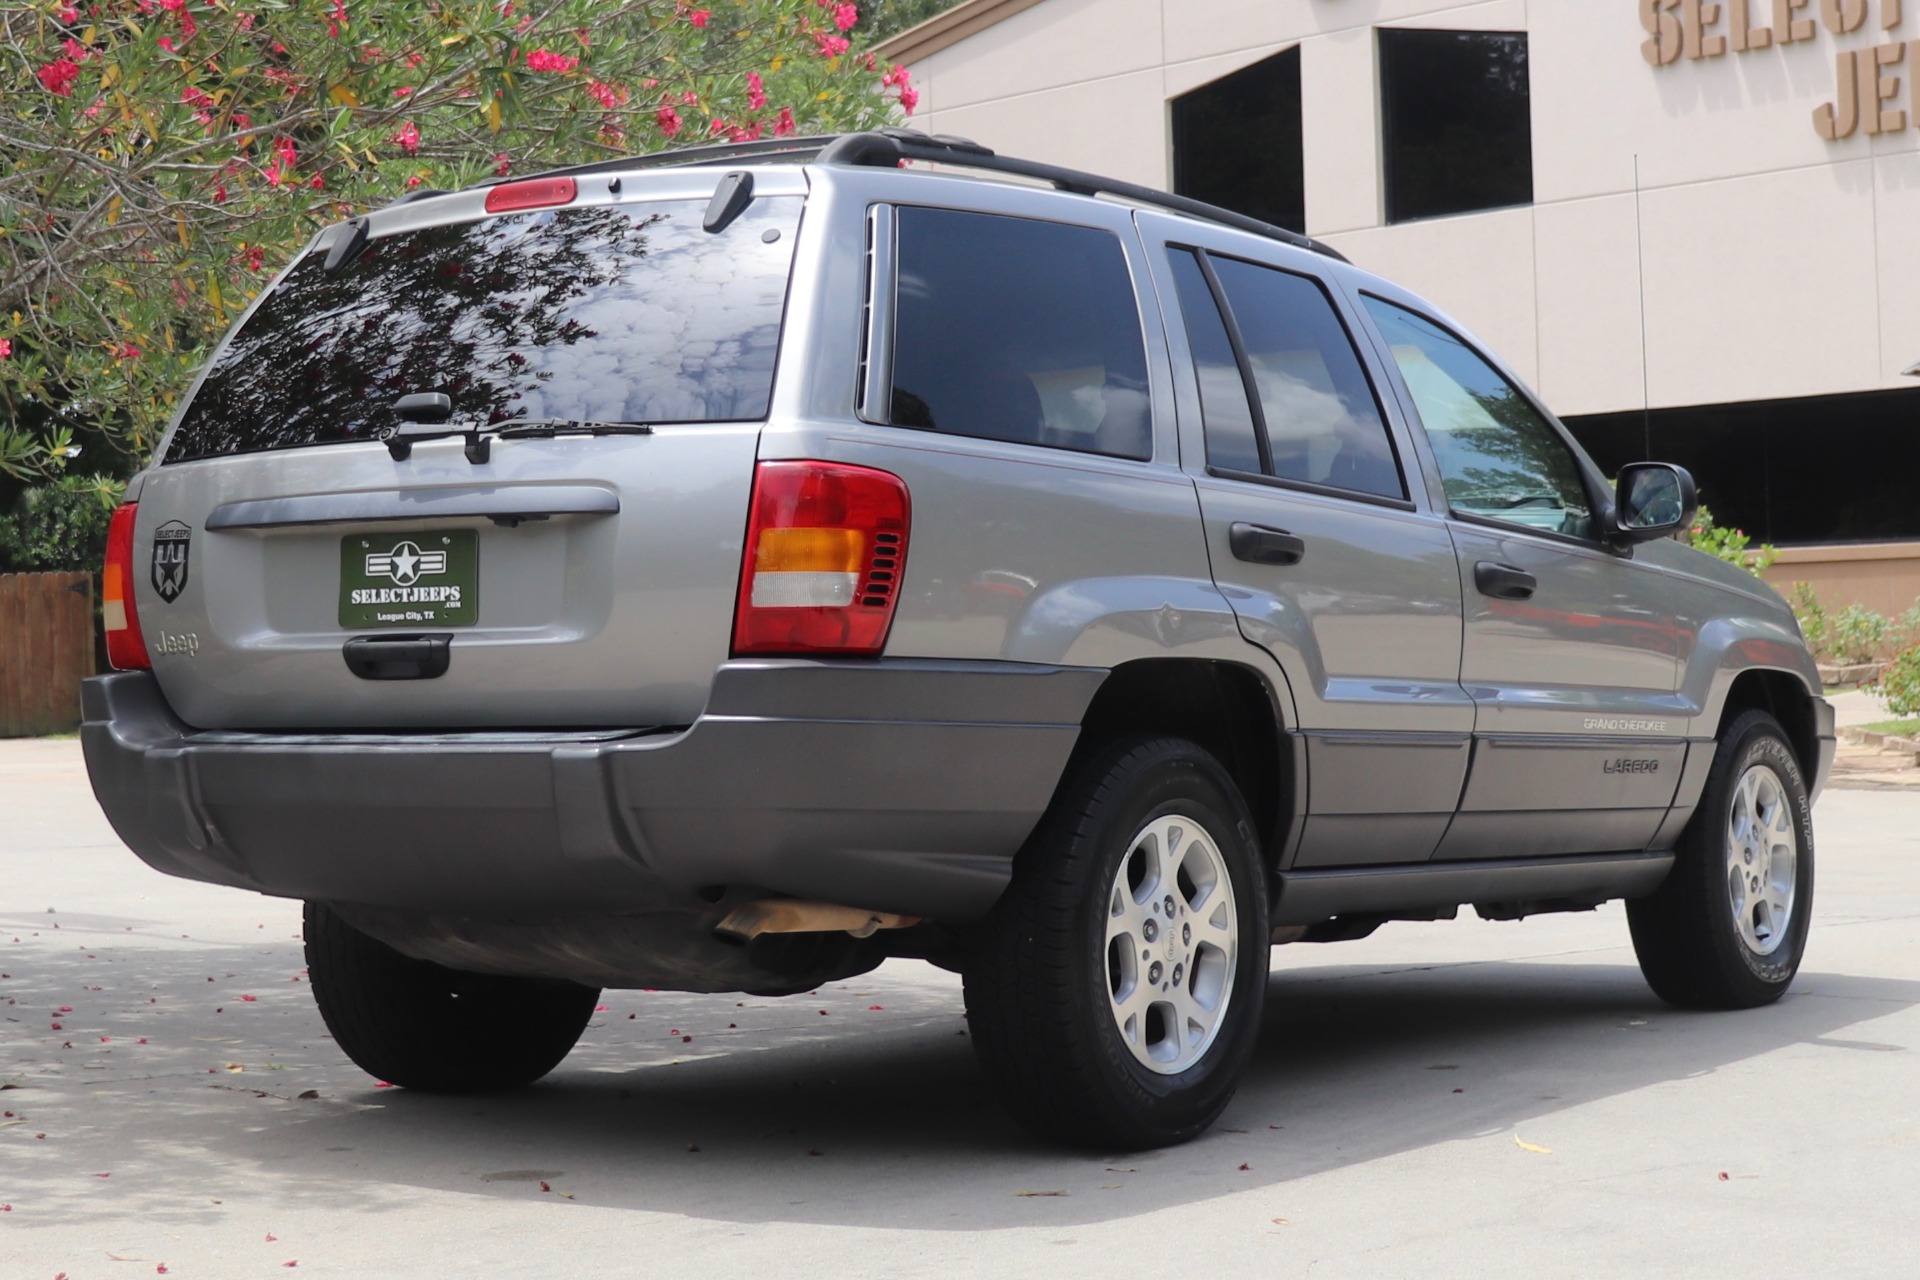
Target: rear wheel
<point>1728,927</point>
<point>1115,993</point>
<point>417,1024</point>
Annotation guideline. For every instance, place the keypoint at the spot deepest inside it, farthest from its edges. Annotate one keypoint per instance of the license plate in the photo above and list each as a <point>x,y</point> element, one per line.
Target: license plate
<point>410,579</point>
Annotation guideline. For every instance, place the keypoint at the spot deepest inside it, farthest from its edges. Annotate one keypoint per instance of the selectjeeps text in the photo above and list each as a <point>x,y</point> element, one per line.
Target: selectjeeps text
<point>724,570</point>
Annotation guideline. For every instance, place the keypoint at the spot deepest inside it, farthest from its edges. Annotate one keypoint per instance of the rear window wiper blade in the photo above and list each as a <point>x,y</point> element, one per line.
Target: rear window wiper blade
<point>401,439</point>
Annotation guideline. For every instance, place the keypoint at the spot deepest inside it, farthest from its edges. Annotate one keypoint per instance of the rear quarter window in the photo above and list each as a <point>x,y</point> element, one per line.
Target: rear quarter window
<point>622,313</point>
<point>1015,329</point>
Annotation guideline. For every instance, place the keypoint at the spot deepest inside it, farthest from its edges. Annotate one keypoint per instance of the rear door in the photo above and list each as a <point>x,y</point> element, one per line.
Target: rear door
<point>1327,556</point>
<point>578,580</point>
<point>1578,736</point>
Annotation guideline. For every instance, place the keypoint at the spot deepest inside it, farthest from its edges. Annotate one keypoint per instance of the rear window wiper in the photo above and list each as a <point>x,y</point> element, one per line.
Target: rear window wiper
<point>401,439</point>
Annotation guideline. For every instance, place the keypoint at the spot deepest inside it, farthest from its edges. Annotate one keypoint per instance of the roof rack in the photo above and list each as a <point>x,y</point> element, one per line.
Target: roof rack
<point>885,148</point>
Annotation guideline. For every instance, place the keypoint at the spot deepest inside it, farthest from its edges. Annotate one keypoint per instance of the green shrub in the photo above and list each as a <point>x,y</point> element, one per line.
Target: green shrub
<point>59,526</point>
<point>1859,634</point>
<point>1899,684</point>
<point>1730,545</point>
<point>1815,627</point>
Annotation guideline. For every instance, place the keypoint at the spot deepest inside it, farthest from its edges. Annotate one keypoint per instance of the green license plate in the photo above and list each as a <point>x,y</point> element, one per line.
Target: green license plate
<point>410,579</point>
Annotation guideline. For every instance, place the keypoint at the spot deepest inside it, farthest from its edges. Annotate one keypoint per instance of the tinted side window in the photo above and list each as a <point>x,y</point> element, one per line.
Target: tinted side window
<point>1321,423</point>
<point>1018,330</point>
<point>1223,395</point>
<point>1498,457</point>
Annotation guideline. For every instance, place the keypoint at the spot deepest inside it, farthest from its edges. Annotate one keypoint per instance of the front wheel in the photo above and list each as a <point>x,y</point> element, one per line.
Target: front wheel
<point>1727,928</point>
<point>1115,993</point>
<point>424,1026</point>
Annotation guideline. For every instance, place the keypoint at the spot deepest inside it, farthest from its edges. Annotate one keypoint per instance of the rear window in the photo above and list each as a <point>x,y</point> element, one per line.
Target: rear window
<point>627,313</point>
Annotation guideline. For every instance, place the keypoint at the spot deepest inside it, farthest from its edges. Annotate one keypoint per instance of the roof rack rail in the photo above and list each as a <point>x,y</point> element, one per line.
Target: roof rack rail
<point>885,148</point>
<point>797,150</point>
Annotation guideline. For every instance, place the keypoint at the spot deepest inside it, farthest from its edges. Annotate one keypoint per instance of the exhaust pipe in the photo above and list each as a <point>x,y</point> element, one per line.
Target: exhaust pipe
<point>789,915</point>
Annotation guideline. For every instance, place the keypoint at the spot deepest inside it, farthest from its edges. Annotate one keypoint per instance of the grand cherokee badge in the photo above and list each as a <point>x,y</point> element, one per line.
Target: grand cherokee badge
<point>170,542</point>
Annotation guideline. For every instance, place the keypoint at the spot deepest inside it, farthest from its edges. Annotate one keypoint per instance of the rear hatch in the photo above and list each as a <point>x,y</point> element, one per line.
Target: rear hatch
<point>575,580</point>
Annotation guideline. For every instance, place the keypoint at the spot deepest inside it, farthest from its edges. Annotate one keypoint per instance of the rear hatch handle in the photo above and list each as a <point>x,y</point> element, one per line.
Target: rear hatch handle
<point>399,657</point>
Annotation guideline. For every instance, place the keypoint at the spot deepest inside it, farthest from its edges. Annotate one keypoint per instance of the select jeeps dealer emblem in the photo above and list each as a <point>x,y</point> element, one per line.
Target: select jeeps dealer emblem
<point>170,543</point>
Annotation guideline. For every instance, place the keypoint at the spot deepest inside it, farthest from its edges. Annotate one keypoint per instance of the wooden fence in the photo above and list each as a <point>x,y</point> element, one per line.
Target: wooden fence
<point>46,645</point>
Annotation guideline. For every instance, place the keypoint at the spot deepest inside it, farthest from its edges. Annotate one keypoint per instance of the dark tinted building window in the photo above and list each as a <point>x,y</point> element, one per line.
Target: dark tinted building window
<point>1018,330</point>
<point>1455,119</point>
<point>625,313</point>
<point>1819,469</point>
<point>1236,142</point>
<point>1317,416</point>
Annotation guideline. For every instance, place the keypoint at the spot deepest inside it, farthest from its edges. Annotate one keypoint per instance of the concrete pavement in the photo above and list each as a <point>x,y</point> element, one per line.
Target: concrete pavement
<point>1449,1099</point>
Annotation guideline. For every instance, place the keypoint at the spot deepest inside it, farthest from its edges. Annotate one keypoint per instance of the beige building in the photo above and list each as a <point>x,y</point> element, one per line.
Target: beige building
<point>1690,224</point>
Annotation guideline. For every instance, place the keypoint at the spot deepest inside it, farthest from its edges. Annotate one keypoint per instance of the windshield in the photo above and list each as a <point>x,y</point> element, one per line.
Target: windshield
<point>624,313</point>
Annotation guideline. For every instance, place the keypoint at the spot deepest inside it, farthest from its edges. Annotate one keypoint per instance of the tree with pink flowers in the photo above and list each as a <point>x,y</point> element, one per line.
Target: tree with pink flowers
<point>160,159</point>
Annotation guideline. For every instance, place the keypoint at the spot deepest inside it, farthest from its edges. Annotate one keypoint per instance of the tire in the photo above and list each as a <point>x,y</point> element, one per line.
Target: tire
<point>1705,938</point>
<point>1044,979</point>
<point>423,1026</point>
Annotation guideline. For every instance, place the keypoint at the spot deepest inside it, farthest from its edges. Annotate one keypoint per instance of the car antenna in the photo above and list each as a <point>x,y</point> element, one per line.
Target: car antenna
<point>1640,274</point>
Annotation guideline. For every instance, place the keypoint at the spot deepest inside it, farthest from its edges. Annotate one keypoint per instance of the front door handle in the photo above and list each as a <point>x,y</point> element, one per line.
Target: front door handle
<point>1261,545</point>
<point>1503,581</point>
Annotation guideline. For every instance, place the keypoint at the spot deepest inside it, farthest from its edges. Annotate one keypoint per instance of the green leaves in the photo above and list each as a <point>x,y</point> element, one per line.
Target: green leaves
<point>178,152</point>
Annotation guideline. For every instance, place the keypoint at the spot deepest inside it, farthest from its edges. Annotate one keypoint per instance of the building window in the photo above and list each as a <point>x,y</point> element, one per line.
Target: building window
<point>1816,470</point>
<point>1456,130</point>
<point>1236,142</point>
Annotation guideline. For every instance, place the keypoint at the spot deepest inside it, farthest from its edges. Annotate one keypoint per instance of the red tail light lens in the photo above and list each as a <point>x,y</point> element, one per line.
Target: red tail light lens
<point>531,193</point>
<point>826,548</point>
<point>126,647</point>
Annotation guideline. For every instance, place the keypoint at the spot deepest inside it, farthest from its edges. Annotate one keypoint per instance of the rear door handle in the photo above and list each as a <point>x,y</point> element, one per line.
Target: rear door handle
<point>408,657</point>
<point>1261,545</point>
<point>1503,581</point>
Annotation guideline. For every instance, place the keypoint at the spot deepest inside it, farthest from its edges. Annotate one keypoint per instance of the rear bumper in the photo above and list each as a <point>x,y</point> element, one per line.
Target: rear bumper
<point>900,786</point>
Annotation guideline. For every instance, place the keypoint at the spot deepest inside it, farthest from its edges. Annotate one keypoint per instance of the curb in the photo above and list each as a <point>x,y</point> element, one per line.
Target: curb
<point>1881,741</point>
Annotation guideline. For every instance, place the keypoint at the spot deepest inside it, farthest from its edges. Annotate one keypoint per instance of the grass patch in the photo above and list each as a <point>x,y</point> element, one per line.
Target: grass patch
<point>1899,728</point>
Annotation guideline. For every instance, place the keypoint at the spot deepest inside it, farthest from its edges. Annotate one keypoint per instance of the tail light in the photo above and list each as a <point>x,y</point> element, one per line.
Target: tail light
<point>826,546</point>
<point>126,647</point>
<point>530,193</point>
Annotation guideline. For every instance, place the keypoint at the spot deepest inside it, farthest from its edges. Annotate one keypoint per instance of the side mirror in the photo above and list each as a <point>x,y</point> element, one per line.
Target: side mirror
<point>1651,500</point>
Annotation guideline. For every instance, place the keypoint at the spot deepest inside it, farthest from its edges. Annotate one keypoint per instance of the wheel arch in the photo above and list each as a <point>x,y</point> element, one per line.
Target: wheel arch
<point>1231,711</point>
<point>1783,696</point>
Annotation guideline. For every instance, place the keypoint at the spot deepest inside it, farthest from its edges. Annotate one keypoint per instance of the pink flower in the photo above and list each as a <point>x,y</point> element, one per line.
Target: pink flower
<point>254,256</point>
<point>899,75</point>
<point>69,15</point>
<point>246,21</point>
<point>219,193</point>
<point>166,42</point>
<point>700,17</point>
<point>784,126</point>
<point>288,153</point>
<point>173,6</point>
<point>316,183</point>
<point>75,50</point>
<point>501,163</point>
<point>831,46</point>
<point>408,139</point>
<point>756,92</point>
<point>604,94</point>
<point>545,60</point>
<point>127,351</point>
<point>669,121</point>
<point>845,15</point>
<point>909,98</point>
<point>338,18</point>
<point>6,348</point>
<point>412,182</point>
<point>58,76</point>
<point>404,91</point>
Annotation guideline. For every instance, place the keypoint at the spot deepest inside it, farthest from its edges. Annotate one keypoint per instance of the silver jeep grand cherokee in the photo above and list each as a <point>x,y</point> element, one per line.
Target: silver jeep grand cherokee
<point>722,571</point>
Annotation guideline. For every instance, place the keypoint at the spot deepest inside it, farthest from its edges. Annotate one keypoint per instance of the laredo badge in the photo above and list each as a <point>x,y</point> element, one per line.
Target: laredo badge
<point>170,543</point>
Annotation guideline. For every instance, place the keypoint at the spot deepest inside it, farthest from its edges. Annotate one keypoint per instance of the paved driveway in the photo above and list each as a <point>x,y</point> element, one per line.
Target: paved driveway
<point>1465,1099</point>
